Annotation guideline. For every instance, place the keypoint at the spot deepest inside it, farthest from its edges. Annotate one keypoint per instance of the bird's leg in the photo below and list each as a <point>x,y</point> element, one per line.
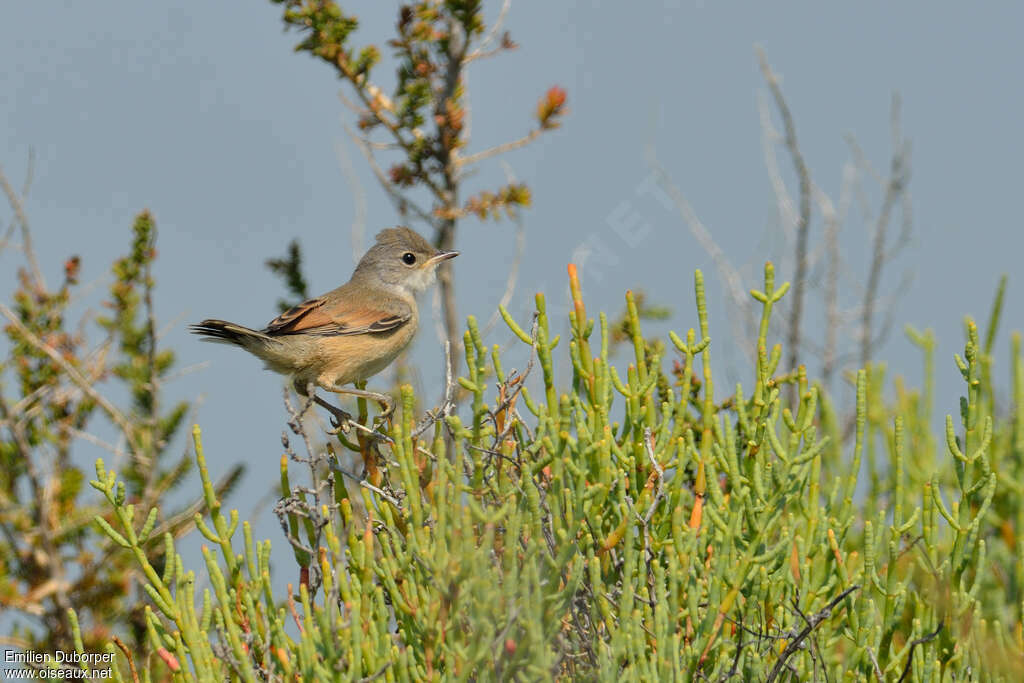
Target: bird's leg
<point>385,401</point>
<point>340,420</point>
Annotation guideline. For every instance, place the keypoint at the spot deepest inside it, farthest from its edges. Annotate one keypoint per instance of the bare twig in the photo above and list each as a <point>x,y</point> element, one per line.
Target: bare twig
<point>812,623</point>
<point>294,612</point>
<point>770,137</point>
<point>128,654</point>
<point>53,562</point>
<point>114,449</point>
<point>874,665</point>
<point>660,493</point>
<point>187,370</point>
<point>485,43</point>
<point>730,274</point>
<point>833,219</point>
<point>401,202</point>
<point>25,187</point>
<point>893,189</point>
<point>372,677</point>
<point>864,164</point>
<point>804,216</point>
<point>26,234</point>
<point>447,404</point>
<point>381,492</point>
<point>468,160</point>
<point>83,383</point>
<point>910,655</point>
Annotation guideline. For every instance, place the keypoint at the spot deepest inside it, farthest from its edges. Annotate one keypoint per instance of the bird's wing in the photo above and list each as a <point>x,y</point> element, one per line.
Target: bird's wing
<point>320,318</point>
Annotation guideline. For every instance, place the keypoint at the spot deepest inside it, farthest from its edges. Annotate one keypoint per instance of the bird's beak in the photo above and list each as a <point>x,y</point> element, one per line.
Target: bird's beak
<point>441,256</point>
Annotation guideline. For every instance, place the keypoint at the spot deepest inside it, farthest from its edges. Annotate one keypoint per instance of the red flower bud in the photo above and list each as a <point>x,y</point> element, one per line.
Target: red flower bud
<point>550,107</point>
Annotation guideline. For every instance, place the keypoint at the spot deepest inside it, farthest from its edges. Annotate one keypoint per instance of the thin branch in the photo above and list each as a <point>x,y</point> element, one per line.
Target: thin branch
<point>53,562</point>
<point>863,162</point>
<point>804,216</point>
<point>402,204</point>
<point>362,88</point>
<point>770,137</point>
<point>382,493</point>
<point>812,623</point>
<point>380,672</point>
<point>729,273</point>
<point>893,188</point>
<point>447,404</point>
<point>660,494</point>
<point>114,449</point>
<point>833,219</point>
<point>910,655</point>
<point>128,654</point>
<point>496,150</point>
<point>294,612</point>
<point>187,370</point>
<point>485,42</point>
<point>352,106</point>
<point>874,664</point>
<point>30,173</point>
<point>26,234</point>
<point>83,383</point>
<point>485,54</point>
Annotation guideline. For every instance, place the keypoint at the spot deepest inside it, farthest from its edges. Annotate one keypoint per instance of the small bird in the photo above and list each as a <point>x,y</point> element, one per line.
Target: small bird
<point>350,333</point>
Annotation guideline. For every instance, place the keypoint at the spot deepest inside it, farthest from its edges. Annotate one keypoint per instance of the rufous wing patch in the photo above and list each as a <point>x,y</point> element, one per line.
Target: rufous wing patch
<point>313,317</point>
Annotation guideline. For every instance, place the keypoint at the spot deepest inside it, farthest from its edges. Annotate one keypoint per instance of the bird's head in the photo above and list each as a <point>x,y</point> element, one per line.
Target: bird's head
<point>401,259</point>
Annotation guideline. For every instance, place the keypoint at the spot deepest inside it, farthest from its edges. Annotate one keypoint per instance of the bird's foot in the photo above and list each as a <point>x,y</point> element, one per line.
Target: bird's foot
<point>341,422</point>
<point>384,417</point>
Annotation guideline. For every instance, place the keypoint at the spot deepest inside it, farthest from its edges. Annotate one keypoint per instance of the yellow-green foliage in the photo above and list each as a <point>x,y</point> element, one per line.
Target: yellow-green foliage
<point>634,525</point>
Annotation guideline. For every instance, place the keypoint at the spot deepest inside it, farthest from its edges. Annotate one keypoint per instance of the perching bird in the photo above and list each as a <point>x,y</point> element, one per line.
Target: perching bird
<point>351,333</point>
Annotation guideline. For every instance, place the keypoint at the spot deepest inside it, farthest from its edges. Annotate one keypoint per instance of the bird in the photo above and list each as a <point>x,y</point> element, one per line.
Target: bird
<point>351,333</point>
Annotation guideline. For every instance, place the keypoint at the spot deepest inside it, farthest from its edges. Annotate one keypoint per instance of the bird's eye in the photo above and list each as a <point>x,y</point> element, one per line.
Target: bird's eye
<point>409,258</point>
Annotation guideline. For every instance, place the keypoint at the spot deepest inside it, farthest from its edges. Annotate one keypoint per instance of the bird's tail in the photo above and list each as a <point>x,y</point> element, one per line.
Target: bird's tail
<point>223,332</point>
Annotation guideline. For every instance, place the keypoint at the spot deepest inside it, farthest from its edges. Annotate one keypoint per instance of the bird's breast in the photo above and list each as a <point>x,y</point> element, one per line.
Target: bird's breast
<point>347,359</point>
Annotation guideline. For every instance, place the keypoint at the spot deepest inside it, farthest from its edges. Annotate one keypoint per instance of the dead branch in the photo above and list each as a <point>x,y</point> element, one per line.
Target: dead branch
<point>804,216</point>
<point>26,234</point>
<point>83,383</point>
<point>894,185</point>
<point>812,623</point>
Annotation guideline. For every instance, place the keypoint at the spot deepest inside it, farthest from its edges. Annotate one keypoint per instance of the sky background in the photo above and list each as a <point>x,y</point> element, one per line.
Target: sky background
<point>202,113</point>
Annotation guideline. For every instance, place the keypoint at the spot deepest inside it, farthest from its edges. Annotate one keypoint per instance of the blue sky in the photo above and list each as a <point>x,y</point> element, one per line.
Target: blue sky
<point>202,113</point>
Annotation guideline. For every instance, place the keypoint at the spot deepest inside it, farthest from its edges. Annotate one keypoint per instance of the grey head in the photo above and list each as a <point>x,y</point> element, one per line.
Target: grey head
<point>400,260</point>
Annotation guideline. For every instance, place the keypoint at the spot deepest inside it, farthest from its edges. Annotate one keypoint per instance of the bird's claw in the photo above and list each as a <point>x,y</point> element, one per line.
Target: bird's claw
<point>385,415</point>
<point>340,423</point>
